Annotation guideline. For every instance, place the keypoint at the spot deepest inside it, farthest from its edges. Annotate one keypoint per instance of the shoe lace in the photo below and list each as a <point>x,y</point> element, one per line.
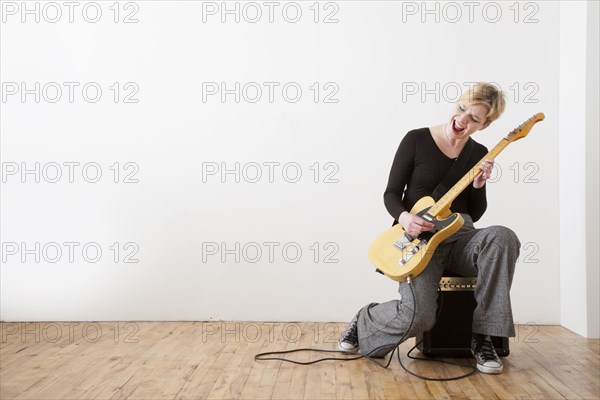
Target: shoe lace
<point>488,353</point>
<point>351,333</point>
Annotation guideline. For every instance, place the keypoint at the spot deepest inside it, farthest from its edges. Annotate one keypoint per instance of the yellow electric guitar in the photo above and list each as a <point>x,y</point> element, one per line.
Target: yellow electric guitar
<point>399,255</point>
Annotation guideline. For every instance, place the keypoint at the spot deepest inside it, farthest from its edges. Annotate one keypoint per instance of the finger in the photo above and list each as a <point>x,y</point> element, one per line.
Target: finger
<point>426,224</point>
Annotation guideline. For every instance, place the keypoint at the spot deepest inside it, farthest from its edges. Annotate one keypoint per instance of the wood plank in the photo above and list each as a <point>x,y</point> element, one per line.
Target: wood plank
<point>271,369</point>
<point>300,385</point>
<point>215,360</point>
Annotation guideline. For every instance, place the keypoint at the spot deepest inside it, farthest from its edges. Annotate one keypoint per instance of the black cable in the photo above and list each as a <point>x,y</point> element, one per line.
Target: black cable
<point>473,368</point>
<point>261,356</point>
<point>437,317</point>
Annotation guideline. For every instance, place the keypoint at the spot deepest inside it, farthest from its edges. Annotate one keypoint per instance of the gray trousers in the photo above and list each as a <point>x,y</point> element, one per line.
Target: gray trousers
<point>488,253</point>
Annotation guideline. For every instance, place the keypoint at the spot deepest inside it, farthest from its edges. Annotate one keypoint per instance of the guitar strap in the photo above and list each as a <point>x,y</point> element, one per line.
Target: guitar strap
<point>455,172</point>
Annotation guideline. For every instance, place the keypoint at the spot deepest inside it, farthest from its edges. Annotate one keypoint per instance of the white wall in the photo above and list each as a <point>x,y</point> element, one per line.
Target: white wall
<point>572,180</point>
<point>579,167</point>
<point>592,170</point>
<point>368,62</point>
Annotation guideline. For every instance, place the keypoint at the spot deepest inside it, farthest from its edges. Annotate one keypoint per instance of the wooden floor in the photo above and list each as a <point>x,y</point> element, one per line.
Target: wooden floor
<point>214,360</point>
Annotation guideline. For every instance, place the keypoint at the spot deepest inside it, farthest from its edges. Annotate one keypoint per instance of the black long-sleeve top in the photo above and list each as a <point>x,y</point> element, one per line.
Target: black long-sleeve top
<point>419,166</point>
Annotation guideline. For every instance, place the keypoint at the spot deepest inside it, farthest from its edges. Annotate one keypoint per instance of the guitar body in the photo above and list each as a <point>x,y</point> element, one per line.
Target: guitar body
<point>398,255</point>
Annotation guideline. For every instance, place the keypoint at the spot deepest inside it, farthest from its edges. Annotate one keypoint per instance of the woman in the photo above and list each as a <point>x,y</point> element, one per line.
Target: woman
<point>421,162</point>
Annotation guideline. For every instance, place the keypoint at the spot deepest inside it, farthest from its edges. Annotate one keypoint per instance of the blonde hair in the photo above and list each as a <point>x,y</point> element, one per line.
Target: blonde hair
<point>487,95</point>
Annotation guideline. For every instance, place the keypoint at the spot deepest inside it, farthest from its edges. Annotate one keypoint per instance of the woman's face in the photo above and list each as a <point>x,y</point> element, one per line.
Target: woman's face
<point>465,120</point>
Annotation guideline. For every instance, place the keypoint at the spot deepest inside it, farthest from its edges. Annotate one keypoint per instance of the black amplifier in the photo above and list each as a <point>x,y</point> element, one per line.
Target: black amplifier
<point>451,334</point>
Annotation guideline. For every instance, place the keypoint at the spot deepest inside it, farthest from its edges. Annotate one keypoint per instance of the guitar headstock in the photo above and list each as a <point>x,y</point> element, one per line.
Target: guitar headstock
<point>522,130</point>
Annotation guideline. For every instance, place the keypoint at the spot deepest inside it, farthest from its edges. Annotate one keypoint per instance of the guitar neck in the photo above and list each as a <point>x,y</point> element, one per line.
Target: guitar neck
<point>445,202</point>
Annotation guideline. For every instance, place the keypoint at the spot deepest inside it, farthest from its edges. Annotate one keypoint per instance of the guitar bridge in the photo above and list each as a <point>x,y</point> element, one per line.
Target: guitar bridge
<point>402,243</point>
<point>411,252</point>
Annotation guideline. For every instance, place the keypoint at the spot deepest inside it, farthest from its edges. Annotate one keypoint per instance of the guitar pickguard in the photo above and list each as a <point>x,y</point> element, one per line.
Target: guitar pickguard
<point>440,224</point>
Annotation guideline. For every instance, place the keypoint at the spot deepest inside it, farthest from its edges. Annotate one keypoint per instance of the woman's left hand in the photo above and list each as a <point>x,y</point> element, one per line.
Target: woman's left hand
<point>486,171</point>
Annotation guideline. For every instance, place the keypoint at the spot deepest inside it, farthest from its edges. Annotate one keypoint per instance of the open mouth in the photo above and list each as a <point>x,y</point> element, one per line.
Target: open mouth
<point>456,128</point>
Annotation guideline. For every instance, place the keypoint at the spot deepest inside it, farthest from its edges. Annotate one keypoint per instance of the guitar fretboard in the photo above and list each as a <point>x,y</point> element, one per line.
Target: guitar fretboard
<point>446,201</point>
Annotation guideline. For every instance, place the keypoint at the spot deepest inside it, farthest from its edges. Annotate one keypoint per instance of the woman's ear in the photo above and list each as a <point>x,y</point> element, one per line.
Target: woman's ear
<point>486,125</point>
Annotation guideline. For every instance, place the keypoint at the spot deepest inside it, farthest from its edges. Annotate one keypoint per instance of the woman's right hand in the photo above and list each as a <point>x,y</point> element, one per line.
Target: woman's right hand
<point>414,225</point>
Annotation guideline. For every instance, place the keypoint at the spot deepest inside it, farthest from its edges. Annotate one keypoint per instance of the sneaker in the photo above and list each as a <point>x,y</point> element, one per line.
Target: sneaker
<point>349,338</point>
<point>483,350</point>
